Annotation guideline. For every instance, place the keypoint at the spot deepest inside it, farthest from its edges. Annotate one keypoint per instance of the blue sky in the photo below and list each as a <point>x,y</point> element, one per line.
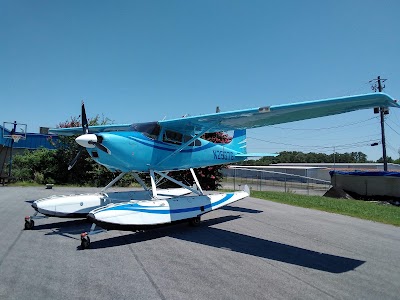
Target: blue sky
<point>137,61</point>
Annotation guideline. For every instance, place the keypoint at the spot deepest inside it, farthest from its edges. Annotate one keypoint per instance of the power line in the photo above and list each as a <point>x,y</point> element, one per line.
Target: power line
<point>392,148</point>
<point>297,133</point>
<point>342,146</point>
<point>316,137</point>
<point>391,121</point>
<point>323,128</point>
<point>391,128</point>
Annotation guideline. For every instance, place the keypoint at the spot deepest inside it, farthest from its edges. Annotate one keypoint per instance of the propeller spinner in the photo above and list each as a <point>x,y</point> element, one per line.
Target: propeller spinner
<point>87,140</point>
<point>91,140</point>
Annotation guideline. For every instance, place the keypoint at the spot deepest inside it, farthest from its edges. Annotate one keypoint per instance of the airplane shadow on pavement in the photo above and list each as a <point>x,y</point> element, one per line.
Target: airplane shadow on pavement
<point>67,227</point>
<point>240,243</point>
<point>241,209</point>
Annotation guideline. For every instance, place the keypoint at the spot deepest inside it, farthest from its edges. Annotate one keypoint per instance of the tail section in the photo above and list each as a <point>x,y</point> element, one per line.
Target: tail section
<point>239,144</point>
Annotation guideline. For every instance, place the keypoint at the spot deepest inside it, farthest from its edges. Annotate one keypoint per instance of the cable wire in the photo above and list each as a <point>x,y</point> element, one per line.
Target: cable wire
<point>323,128</point>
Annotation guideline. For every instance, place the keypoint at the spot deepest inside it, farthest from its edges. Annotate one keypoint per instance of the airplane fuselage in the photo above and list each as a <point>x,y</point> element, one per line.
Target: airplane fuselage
<point>132,150</point>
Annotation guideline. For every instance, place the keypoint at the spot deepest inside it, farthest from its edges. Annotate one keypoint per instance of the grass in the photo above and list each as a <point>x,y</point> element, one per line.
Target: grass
<point>32,183</point>
<point>25,183</point>
<point>373,211</point>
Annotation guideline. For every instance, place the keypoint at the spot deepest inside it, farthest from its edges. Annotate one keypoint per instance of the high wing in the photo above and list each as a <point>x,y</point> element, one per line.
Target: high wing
<point>93,129</point>
<point>256,117</point>
<point>277,114</point>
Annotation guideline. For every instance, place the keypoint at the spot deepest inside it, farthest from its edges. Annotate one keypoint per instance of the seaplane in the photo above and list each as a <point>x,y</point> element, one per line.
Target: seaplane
<point>161,147</point>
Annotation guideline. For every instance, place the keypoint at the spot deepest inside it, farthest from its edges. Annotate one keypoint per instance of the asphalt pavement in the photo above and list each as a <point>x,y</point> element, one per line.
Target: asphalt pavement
<point>252,249</point>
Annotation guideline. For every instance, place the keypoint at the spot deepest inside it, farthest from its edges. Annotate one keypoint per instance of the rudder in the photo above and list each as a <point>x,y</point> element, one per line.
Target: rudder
<point>238,142</point>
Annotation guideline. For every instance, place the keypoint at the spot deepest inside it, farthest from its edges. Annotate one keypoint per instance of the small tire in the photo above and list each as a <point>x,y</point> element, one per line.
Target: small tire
<point>195,222</point>
<point>85,242</point>
<point>29,224</point>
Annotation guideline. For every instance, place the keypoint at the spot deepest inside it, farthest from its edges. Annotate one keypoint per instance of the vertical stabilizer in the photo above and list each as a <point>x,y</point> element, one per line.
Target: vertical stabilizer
<point>238,142</point>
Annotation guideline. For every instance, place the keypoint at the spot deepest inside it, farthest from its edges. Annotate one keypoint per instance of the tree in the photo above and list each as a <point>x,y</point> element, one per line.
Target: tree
<point>359,157</point>
<point>388,160</point>
<point>210,177</point>
<point>300,157</point>
<point>51,166</point>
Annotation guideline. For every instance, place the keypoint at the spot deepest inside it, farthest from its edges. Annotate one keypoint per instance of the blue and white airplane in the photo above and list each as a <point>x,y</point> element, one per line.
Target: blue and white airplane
<point>169,145</point>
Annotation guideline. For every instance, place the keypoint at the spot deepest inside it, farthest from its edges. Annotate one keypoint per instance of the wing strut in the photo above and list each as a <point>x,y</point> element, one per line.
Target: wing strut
<point>112,182</point>
<point>135,175</point>
<point>153,173</point>
<point>140,181</point>
<point>153,183</point>
<point>197,181</point>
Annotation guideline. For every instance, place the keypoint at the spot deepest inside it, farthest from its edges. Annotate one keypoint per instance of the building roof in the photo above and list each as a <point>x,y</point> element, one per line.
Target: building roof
<point>32,141</point>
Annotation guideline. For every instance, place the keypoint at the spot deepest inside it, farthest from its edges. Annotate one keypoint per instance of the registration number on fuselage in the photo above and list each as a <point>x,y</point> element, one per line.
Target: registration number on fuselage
<point>223,155</point>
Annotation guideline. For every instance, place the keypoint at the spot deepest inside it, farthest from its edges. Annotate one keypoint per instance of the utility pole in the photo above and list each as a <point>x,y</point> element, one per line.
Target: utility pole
<point>334,157</point>
<point>377,86</point>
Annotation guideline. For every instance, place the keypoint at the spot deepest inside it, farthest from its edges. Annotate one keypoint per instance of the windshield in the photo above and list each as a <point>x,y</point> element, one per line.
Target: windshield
<point>150,129</point>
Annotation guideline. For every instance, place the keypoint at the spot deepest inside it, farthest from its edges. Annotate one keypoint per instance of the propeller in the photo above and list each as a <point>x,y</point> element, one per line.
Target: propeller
<point>99,144</point>
<point>87,139</point>
<point>73,162</point>
<point>85,124</point>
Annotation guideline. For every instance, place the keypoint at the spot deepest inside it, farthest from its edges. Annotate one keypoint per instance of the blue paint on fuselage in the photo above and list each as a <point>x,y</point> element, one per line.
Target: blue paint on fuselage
<point>133,151</point>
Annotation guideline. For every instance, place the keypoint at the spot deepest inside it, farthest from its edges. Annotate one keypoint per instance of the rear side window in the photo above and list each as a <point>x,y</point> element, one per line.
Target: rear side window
<point>187,138</point>
<point>172,137</point>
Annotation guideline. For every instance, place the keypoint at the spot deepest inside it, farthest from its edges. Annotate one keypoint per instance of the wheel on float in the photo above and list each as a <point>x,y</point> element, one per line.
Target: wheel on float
<point>29,224</point>
<point>85,242</point>
<point>194,222</point>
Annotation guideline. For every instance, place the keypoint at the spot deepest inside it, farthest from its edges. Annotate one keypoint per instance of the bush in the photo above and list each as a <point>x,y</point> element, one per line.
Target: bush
<point>39,178</point>
<point>35,166</point>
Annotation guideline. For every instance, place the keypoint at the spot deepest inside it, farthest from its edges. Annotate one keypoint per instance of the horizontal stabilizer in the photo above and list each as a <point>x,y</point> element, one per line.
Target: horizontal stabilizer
<point>246,189</point>
<point>256,154</point>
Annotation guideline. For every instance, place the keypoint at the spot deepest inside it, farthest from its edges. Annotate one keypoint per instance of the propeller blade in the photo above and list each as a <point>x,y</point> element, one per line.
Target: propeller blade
<point>99,144</point>
<point>73,162</point>
<point>85,129</point>
<point>85,124</point>
<point>102,147</point>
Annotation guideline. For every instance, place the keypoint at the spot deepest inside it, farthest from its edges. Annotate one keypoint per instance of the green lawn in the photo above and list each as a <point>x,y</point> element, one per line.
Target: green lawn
<point>25,183</point>
<point>373,211</point>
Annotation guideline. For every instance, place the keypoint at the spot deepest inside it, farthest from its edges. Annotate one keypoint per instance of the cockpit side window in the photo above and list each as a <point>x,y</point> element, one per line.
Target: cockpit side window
<point>178,138</point>
<point>172,137</point>
<point>150,129</point>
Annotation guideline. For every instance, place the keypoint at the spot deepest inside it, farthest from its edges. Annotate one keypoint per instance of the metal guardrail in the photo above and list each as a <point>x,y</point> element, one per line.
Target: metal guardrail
<point>262,180</point>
